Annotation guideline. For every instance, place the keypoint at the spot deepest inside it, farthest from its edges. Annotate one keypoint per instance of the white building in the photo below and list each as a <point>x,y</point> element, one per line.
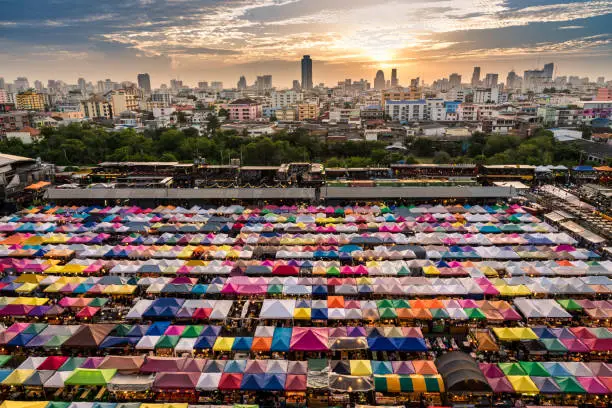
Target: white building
<point>486,95</point>
<point>403,111</point>
<point>435,110</point>
<point>163,112</point>
<point>163,97</point>
<point>282,99</point>
<point>7,97</point>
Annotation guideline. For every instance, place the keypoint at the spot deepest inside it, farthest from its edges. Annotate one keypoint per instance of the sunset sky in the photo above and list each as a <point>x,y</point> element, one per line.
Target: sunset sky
<point>197,40</point>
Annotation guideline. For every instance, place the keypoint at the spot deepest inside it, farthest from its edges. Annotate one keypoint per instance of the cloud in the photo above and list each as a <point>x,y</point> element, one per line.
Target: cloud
<point>229,33</point>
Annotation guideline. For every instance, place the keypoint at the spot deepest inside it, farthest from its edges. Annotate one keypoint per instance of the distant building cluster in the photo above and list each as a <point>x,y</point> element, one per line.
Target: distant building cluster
<point>387,109</point>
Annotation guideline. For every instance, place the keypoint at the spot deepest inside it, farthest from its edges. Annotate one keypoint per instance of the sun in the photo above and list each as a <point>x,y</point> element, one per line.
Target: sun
<point>381,54</point>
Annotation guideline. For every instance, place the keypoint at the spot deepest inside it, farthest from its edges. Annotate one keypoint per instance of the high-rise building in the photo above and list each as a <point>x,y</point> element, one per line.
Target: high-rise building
<point>476,76</point>
<point>491,80</point>
<point>600,80</point>
<point>82,84</point>
<point>176,84</point>
<point>242,83</point>
<point>30,100</point>
<point>379,80</point>
<point>203,85</point>
<point>144,82</point>
<point>2,84</point>
<point>306,72</point>
<point>394,81</point>
<point>549,69</point>
<point>296,85</point>
<point>513,81</point>
<point>216,85</point>
<point>454,80</point>
<point>38,86</point>
<point>263,83</point>
<point>21,84</point>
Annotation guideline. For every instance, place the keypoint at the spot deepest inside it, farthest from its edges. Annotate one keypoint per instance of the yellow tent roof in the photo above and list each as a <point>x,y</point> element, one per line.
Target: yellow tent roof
<point>431,270</point>
<point>18,377</point>
<point>302,313</point>
<point>30,301</point>
<point>419,385</point>
<point>24,404</point>
<point>361,367</point>
<point>514,333</point>
<point>29,278</point>
<point>166,405</point>
<point>26,288</point>
<point>523,384</point>
<point>223,344</point>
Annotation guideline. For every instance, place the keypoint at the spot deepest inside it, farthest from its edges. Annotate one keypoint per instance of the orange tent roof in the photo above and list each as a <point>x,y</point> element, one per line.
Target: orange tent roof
<point>38,186</point>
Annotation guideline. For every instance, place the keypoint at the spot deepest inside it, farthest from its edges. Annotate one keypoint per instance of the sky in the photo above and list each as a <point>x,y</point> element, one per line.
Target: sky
<point>208,40</point>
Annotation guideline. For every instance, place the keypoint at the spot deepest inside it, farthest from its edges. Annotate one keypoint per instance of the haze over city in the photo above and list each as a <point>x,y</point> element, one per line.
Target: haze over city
<point>221,40</point>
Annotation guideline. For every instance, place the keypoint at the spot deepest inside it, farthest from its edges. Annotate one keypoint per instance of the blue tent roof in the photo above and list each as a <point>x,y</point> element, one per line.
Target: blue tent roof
<point>281,339</point>
<point>242,343</point>
<point>382,367</point>
<point>158,328</point>
<point>381,344</point>
<point>410,344</point>
<point>235,366</point>
<point>115,341</point>
<point>253,382</point>
<point>318,314</point>
<point>583,168</point>
<point>274,382</point>
<point>205,342</point>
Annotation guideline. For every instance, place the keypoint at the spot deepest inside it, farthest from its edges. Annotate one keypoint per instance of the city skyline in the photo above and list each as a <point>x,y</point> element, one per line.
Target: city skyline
<point>213,40</point>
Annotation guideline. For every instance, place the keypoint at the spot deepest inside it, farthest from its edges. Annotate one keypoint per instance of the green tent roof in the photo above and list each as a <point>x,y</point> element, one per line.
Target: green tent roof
<point>84,376</point>
<point>167,342</point>
<point>534,369</point>
<point>569,385</point>
<point>384,303</point>
<point>511,368</point>
<point>98,302</point>
<point>72,364</point>
<point>387,313</point>
<point>439,313</point>
<point>122,330</point>
<point>554,345</point>
<point>35,328</point>
<point>474,313</point>
<point>569,304</point>
<point>192,331</point>
<point>5,359</point>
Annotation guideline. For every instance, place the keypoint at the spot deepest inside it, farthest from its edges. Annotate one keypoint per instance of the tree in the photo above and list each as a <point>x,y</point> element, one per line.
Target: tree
<point>223,113</point>
<point>422,147</point>
<point>442,158</point>
<point>212,123</point>
<point>273,118</point>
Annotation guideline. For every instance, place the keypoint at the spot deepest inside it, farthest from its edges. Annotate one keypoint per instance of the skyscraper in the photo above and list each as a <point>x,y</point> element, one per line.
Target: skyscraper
<point>379,80</point>
<point>512,80</point>
<point>264,83</point>
<point>394,81</point>
<point>82,84</point>
<point>242,83</point>
<point>491,80</point>
<point>454,80</point>
<point>549,70</point>
<point>476,76</point>
<point>306,72</point>
<point>2,85</point>
<point>144,82</point>
<point>296,85</point>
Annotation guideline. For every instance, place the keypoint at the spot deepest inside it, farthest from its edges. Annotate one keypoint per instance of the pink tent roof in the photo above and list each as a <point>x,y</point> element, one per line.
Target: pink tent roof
<point>592,385</point>
<point>295,382</point>
<point>575,345</point>
<point>500,384</point>
<point>309,339</point>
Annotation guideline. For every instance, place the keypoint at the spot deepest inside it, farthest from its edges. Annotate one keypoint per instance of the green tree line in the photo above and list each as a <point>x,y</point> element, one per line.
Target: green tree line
<point>77,144</point>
